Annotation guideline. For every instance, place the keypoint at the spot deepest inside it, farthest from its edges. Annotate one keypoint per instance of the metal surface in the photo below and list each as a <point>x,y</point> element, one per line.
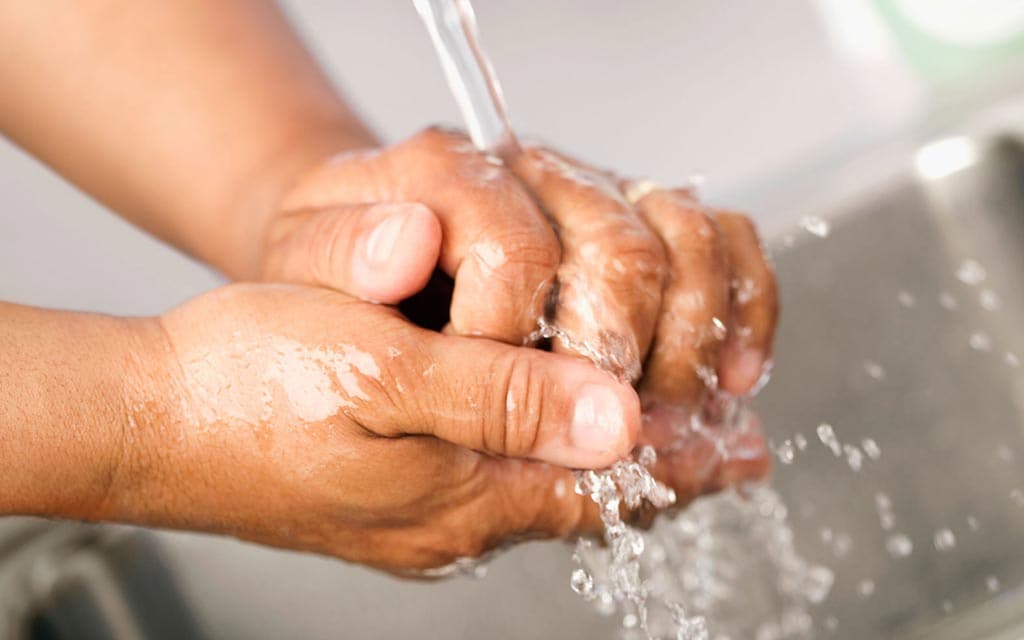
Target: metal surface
<point>63,581</point>
<point>949,417</point>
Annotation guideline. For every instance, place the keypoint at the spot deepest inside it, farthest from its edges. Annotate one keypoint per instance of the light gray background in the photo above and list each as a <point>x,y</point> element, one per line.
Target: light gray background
<point>738,91</point>
<point>741,91</point>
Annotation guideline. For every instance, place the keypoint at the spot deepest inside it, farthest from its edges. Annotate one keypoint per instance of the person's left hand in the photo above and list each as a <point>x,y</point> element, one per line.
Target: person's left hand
<point>647,278</point>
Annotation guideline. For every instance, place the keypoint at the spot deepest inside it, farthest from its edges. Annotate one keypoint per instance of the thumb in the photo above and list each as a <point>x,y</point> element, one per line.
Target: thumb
<point>513,401</point>
<point>379,252</point>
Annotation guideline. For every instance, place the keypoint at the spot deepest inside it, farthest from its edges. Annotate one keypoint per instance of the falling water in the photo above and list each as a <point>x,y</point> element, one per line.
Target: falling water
<point>728,560</point>
<point>726,565</point>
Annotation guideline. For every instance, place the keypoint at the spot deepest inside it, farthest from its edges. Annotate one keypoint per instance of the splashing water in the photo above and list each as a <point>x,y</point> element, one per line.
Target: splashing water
<point>899,546</point>
<point>970,272</point>
<point>945,540</point>
<point>815,226</point>
<point>727,561</point>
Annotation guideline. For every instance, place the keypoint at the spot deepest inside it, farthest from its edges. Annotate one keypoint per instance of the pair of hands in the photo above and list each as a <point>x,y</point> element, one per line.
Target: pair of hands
<point>368,437</point>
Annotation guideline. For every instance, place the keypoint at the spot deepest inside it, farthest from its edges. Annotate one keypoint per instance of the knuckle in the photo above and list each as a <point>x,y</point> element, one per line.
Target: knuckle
<point>633,252</point>
<point>519,402</point>
<point>527,249</point>
<point>439,138</point>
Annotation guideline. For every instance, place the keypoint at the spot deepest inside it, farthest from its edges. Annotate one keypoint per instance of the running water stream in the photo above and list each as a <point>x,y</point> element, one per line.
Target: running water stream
<point>726,564</point>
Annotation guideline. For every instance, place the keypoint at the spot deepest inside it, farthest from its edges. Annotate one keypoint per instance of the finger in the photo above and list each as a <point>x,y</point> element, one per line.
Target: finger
<point>498,399</point>
<point>537,500</point>
<point>496,243</point>
<point>610,281</point>
<point>691,323</point>
<point>698,455</point>
<point>381,252</point>
<point>755,306</point>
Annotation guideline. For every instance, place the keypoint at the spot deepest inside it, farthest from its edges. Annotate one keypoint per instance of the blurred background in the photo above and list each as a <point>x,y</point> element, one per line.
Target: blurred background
<point>786,108</point>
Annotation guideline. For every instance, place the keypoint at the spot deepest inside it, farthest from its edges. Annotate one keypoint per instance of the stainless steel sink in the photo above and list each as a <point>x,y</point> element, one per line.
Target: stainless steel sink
<point>948,416</point>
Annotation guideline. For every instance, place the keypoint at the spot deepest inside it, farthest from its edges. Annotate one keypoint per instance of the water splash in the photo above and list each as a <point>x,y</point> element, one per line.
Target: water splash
<point>725,565</point>
<point>945,540</point>
<point>815,226</point>
<point>899,545</point>
<point>970,272</point>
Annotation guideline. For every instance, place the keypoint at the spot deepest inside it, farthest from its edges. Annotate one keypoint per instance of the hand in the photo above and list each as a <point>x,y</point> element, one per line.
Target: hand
<point>644,274</point>
<point>304,418</point>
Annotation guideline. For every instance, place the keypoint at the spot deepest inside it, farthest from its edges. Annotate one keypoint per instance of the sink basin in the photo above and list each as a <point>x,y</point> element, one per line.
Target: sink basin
<point>879,338</point>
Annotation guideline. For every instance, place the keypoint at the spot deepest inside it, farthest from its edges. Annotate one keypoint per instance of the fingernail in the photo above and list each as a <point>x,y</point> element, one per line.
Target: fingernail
<point>381,243</point>
<point>743,370</point>
<point>598,419</point>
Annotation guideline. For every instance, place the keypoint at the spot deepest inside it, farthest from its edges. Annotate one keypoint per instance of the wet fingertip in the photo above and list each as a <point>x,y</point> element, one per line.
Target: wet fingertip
<point>740,370</point>
<point>603,424</point>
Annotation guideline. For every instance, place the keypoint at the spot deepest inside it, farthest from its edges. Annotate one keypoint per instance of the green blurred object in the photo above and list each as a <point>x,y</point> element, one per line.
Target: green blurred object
<point>951,40</point>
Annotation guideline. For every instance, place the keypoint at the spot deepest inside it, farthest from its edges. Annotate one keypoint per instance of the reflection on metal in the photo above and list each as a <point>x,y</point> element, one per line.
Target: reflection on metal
<point>948,417</point>
<point>945,157</point>
<point>68,581</point>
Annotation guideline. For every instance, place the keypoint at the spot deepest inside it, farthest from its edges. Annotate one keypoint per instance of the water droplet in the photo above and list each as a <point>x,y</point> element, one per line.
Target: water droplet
<point>800,441</point>
<point>842,545</point>
<point>817,583</point>
<point>884,506</point>
<point>630,620</point>
<point>605,604</point>
<point>1011,359</point>
<point>866,588</point>
<point>582,583</point>
<point>874,370</point>
<point>785,452</point>
<point>971,272</point>
<point>947,606</point>
<point>906,299</point>
<point>871,448</point>
<point>948,301</point>
<point>827,435</point>
<point>992,584</point>
<point>718,329</point>
<point>899,546</point>
<point>990,300</point>
<point>647,456</point>
<point>945,540</point>
<point>980,341</point>
<point>972,523</point>
<point>1017,497</point>
<point>815,226</point>
<point>695,628</point>
<point>854,457</point>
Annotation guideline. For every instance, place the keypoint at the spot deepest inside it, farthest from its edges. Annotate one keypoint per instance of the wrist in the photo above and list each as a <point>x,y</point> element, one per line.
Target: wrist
<point>67,380</point>
<point>260,194</point>
<point>143,396</point>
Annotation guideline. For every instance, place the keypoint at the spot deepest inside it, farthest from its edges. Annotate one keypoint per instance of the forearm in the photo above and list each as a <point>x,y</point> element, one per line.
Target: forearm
<point>69,383</point>
<point>189,118</point>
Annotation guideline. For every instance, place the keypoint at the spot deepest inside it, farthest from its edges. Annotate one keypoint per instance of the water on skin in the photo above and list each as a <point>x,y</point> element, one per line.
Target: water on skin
<point>726,564</point>
<point>245,382</point>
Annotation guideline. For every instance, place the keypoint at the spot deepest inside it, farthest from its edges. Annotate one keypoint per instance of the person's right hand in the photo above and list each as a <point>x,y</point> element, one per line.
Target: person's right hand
<point>643,274</point>
<point>304,418</point>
